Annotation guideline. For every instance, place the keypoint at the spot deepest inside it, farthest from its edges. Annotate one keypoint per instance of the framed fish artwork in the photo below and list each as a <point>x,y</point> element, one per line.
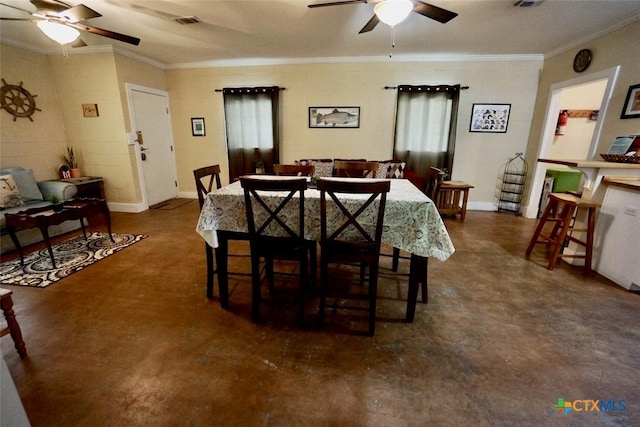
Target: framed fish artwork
<point>334,117</point>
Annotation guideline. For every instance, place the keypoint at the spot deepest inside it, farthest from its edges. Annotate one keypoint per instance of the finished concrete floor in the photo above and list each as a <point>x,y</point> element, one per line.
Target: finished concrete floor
<point>132,340</point>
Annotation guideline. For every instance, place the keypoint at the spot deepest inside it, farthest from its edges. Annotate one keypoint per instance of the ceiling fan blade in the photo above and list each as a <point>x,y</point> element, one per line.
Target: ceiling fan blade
<point>336,3</point>
<point>17,8</point>
<point>370,25</point>
<point>50,5</point>
<point>433,12</point>
<point>79,13</point>
<point>106,33</point>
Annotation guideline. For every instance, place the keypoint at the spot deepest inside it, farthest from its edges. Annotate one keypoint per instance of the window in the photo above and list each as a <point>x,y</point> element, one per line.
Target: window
<point>426,118</point>
<point>252,128</point>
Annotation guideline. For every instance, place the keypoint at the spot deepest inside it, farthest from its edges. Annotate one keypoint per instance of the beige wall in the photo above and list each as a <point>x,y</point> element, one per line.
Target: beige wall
<point>63,84</point>
<point>619,48</point>
<point>576,141</point>
<point>37,145</point>
<point>479,158</point>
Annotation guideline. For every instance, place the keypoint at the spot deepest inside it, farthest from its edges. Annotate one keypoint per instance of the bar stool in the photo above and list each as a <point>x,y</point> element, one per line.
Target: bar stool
<point>6,303</point>
<point>562,210</point>
<point>452,198</point>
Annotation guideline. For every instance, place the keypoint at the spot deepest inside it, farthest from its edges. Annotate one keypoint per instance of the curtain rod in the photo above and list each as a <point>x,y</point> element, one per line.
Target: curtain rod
<point>396,87</point>
<point>220,90</point>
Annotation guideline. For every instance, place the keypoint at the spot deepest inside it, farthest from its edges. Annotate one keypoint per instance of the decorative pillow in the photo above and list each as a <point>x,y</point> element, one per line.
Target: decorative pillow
<point>395,169</point>
<point>9,194</point>
<point>324,167</point>
<point>27,185</point>
<point>381,173</point>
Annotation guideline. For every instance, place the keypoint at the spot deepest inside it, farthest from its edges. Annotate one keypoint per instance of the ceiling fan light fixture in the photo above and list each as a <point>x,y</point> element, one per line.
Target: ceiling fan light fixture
<point>392,12</point>
<point>58,32</point>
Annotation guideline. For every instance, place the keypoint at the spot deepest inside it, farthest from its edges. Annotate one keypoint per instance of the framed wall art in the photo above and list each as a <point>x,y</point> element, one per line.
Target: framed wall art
<point>490,118</point>
<point>631,107</point>
<point>334,117</point>
<point>90,110</point>
<point>197,126</point>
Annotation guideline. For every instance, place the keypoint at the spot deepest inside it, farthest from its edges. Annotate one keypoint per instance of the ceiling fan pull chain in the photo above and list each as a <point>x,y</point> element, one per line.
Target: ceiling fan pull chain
<point>393,41</point>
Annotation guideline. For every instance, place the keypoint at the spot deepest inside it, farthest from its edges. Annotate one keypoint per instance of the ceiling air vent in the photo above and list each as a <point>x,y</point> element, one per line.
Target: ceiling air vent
<point>527,3</point>
<point>185,20</point>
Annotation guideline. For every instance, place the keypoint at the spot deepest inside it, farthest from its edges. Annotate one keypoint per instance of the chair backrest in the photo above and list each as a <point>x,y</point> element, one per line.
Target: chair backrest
<point>268,218</point>
<point>355,169</point>
<point>434,180</point>
<point>346,226</point>
<point>205,177</point>
<point>294,170</point>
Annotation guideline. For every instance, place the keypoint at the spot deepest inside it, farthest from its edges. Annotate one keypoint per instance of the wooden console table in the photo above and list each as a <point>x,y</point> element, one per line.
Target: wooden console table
<point>88,186</point>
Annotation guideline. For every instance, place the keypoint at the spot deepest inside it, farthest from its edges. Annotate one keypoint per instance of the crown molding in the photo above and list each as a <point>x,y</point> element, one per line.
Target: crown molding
<point>585,40</point>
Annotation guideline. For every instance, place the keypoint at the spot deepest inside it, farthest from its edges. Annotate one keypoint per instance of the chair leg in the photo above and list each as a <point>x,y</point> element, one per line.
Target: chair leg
<point>324,271</point>
<point>373,293</point>
<point>255,288</point>
<point>6,305</point>
<point>559,237</point>
<point>304,275</point>
<point>396,259</point>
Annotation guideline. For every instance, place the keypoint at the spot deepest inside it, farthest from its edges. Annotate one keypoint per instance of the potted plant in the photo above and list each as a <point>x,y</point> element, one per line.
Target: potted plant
<point>56,204</point>
<point>71,159</point>
<point>259,166</point>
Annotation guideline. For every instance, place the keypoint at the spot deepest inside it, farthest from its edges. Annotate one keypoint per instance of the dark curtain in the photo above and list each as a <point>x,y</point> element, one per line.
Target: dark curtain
<point>426,120</point>
<point>252,129</point>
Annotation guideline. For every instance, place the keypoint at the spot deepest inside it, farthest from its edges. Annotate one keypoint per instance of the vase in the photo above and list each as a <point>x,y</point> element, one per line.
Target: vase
<point>75,173</point>
<point>57,207</point>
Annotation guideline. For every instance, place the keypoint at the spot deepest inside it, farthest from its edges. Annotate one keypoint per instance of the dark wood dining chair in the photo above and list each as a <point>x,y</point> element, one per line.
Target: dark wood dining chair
<point>435,177</point>
<point>294,170</point>
<point>206,177</point>
<point>272,237</point>
<point>352,169</point>
<point>350,233</point>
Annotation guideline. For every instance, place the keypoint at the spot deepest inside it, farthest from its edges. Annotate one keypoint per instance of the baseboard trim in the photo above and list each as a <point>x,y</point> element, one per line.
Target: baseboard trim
<point>127,207</point>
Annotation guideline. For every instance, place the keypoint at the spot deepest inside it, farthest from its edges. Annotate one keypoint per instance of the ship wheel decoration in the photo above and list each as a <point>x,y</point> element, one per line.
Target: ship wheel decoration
<point>17,101</point>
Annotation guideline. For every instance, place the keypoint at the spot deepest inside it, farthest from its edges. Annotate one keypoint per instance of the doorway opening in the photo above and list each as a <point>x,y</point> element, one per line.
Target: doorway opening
<point>574,91</point>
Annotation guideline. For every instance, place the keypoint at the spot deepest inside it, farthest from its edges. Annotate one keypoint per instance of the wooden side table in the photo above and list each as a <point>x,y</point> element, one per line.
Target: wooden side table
<point>452,198</point>
<point>88,186</point>
<point>6,303</point>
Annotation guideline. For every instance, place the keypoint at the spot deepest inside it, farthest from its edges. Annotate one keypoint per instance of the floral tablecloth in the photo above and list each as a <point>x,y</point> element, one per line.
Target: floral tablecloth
<point>411,221</point>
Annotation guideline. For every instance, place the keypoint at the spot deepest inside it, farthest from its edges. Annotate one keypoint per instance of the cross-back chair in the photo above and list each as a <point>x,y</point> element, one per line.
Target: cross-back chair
<point>353,169</point>
<point>273,235</point>
<point>350,232</point>
<point>205,178</point>
<point>294,170</point>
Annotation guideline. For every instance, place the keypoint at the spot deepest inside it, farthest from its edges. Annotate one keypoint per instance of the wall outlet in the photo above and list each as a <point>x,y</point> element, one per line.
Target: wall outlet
<point>631,211</point>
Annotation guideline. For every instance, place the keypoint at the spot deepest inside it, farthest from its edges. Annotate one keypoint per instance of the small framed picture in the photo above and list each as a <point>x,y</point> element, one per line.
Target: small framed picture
<point>334,117</point>
<point>490,118</point>
<point>197,126</point>
<point>90,110</point>
<point>631,107</point>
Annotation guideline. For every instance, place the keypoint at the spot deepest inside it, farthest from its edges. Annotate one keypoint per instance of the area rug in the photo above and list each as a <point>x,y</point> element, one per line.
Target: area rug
<point>71,256</point>
<point>172,204</point>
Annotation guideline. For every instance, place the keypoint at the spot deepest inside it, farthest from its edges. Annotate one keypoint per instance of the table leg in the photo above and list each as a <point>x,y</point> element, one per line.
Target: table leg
<point>45,234</point>
<point>417,276</point>
<point>84,229</point>
<point>16,242</point>
<point>208,250</point>
<point>6,304</point>
<point>465,198</point>
<point>222,252</point>
<point>107,218</point>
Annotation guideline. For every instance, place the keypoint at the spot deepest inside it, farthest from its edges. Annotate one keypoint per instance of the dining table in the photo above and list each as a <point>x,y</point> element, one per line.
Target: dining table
<point>412,223</point>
